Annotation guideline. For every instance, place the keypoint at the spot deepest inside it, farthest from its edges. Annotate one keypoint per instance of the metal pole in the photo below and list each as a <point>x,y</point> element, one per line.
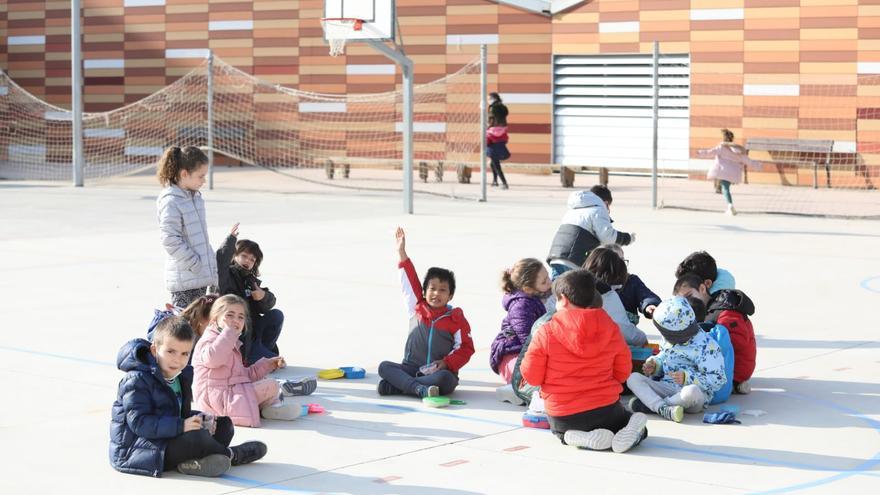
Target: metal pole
<point>655,122</point>
<point>407,69</point>
<point>76,83</point>
<point>483,112</point>
<point>210,120</point>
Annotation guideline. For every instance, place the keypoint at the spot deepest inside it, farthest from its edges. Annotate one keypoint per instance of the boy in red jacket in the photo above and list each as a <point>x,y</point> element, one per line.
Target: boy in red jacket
<point>579,359</point>
<point>439,341</point>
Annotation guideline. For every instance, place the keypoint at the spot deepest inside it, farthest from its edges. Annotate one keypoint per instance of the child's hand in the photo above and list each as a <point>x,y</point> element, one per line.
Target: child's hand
<point>440,364</point>
<point>257,294</point>
<point>192,423</point>
<point>400,236</point>
<point>649,367</point>
<point>677,377</point>
<point>278,362</point>
<point>649,310</point>
<point>234,230</point>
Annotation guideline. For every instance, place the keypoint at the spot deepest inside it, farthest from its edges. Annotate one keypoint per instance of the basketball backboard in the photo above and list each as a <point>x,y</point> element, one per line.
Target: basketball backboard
<point>378,17</point>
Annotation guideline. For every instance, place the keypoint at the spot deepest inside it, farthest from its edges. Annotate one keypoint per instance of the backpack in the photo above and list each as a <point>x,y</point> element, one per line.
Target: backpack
<point>720,334</point>
<point>521,388</point>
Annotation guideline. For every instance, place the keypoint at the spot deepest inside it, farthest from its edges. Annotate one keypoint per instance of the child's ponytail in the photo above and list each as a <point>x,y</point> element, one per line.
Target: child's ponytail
<point>523,273</point>
<point>175,159</point>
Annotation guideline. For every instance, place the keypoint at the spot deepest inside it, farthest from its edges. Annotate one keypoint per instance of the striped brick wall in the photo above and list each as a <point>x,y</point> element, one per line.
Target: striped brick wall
<point>790,68</point>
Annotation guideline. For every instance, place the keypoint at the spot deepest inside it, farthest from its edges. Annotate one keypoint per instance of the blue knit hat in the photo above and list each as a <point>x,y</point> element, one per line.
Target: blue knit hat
<point>675,320</point>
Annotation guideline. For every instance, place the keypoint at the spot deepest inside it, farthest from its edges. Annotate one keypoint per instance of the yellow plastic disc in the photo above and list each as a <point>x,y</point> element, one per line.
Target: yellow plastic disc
<point>331,374</point>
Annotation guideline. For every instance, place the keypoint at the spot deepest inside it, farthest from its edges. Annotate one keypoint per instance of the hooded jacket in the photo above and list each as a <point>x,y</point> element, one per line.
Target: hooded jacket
<point>233,279</point>
<point>732,309</point>
<point>586,225</point>
<point>183,229</point>
<point>145,415</point>
<point>579,360</point>
<point>701,360</point>
<point>522,312</point>
<point>730,160</point>
<point>435,333</point>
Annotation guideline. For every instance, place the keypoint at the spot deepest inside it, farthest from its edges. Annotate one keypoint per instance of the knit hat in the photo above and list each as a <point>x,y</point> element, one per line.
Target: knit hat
<point>675,320</point>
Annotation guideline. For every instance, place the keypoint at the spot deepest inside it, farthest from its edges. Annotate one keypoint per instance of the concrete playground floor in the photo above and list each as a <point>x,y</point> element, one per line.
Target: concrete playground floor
<point>84,272</point>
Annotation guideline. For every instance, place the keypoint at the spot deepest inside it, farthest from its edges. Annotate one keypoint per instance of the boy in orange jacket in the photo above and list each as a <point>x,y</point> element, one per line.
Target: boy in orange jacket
<point>579,359</point>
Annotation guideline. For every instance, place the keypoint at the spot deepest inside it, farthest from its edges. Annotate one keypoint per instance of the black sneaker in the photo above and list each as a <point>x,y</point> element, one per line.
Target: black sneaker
<point>210,466</point>
<point>637,406</point>
<point>248,452</point>
<point>385,388</point>
<point>423,391</point>
<point>302,386</point>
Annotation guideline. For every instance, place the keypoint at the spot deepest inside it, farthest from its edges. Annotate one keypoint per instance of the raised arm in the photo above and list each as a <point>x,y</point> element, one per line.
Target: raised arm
<point>409,280</point>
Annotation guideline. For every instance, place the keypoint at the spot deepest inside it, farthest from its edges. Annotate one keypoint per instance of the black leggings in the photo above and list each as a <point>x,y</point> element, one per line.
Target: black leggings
<point>496,171</point>
<point>612,417</point>
<point>196,444</point>
<point>405,378</point>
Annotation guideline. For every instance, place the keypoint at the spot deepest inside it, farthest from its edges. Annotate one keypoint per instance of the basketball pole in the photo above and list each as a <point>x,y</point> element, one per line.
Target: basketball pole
<point>76,83</point>
<point>406,68</point>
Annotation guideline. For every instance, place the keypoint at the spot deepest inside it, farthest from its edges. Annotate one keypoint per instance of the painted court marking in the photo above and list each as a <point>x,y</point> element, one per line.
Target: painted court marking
<point>872,284</point>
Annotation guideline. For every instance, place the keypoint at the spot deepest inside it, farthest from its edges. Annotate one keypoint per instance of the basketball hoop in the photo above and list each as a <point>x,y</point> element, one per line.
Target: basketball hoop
<point>338,30</point>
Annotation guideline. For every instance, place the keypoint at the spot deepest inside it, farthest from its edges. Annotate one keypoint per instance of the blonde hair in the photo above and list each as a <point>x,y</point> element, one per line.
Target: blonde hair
<point>523,273</point>
<point>223,303</point>
<point>176,159</point>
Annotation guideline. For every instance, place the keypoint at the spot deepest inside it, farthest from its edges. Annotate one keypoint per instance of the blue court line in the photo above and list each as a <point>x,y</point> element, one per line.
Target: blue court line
<point>57,356</point>
<point>866,284</point>
<point>410,409</point>
<point>263,484</point>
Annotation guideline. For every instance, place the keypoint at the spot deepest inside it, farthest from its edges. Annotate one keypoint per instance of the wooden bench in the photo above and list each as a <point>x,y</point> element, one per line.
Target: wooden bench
<point>818,151</point>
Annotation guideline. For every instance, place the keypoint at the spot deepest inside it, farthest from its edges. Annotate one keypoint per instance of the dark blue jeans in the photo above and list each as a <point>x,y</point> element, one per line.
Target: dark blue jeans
<point>406,378</point>
<point>266,330</point>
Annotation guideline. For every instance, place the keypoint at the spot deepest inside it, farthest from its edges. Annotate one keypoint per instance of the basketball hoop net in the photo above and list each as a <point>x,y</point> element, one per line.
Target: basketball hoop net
<point>338,30</point>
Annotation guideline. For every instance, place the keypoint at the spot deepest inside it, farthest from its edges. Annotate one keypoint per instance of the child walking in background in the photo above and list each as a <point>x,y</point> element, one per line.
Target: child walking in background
<point>224,386</point>
<point>239,262</point>
<point>190,266</point>
<point>496,150</point>
<point>439,341</point>
<point>730,160</point>
<point>153,429</point>
<point>703,264</point>
<point>585,226</point>
<point>579,359</point>
<point>689,368</point>
<point>526,285</point>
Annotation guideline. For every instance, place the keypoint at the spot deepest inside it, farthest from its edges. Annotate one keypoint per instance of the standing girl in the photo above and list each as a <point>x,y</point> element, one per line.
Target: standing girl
<point>525,286</point>
<point>190,265</point>
<point>223,386</point>
<point>496,149</point>
<point>730,160</point>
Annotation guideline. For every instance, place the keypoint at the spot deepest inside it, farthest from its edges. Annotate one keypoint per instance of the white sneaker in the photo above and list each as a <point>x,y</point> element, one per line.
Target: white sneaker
<point>284,411</point>
<point>537,403</point>
<point>730,211</point>
<point>630,435</point>
<point>600,439</point>
<point>506,394</point>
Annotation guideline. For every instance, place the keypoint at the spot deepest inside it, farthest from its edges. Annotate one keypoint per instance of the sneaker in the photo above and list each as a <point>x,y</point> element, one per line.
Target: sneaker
<point>284,411</point>
<point>506,394</point>
<point>599,439</point>
<point>248,452</point>
<point>210,466</point>
<point>631,434</point>
<point>672,413</point>
<point>504,186</point>
<point>423,391</point>
<point>385,388</point>
<point>730,211</point>
<point>743,388</point>
<point>300,386</point>
<point>637,406</point>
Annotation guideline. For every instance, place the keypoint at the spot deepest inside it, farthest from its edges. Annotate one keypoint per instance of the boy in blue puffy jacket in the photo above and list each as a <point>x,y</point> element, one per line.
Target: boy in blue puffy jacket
<point>152,428</point>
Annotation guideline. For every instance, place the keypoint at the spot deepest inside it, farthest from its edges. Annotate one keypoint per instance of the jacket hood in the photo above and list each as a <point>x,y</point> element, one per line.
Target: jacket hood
<point>733,299</point>
<point>427,313</point>
<point>584,199</point>
<point>497,131</point>
<point>177,192</point>
<point>583,332</point>
<point>511,297</point>
<point>135,355</point>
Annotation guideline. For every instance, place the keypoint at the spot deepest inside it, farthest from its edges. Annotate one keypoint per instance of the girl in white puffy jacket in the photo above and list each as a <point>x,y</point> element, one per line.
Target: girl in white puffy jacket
<point>190,264</point>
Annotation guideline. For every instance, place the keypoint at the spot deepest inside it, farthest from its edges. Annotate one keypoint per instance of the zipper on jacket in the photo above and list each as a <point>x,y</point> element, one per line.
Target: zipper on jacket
<point>431,333</point>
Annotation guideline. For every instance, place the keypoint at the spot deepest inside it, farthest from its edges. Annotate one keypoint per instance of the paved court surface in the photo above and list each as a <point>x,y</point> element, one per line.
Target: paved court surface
<point>84,270</point>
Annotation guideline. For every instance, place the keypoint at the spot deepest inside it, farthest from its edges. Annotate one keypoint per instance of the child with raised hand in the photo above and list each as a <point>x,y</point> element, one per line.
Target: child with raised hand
<point>526,285</point>
<point>703,264</point>
<point>439,341</point>
<point>224,386</point>
<point>634,294</point>
<point>686,373</point>
<point>190,264</point>
<point>153,429</point>
<point>579,359</point>
<point>239,262</point>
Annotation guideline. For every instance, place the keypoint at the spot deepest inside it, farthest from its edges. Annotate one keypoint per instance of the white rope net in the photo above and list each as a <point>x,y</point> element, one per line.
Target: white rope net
<point>337,32</point>
<point>255,121</point>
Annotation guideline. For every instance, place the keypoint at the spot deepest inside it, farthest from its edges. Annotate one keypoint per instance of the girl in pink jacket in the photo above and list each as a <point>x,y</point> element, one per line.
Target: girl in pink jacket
<point>730,160</point>
<point>223,386</point>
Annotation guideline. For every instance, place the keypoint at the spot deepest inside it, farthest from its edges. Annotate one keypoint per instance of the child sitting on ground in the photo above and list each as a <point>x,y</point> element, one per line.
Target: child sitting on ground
<point>239,266</point>
<point>153,428</point>
<point>703,264</point>
<point>579,360</point>
<point>525,286</point>
<point>225,387</point>
<point>610,265</point>
<point>689,367</point>
<point>732,309</point>
<point>722,336</point>
<point>439,341</point>
<point>634,294</point>
<point>585,226</point>
<point>196,314</point>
